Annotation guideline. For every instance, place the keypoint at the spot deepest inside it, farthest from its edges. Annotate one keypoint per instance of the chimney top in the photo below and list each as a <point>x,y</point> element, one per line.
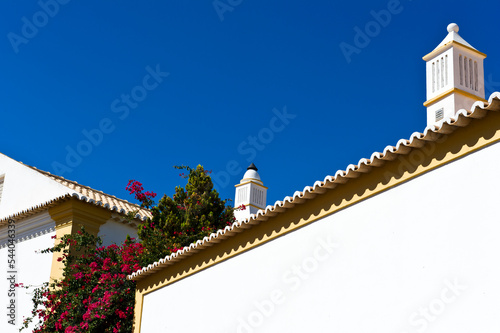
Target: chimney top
<point>252,167</point>
<point>250,193</point>
<point>454,77</point>
<point>452,27</point>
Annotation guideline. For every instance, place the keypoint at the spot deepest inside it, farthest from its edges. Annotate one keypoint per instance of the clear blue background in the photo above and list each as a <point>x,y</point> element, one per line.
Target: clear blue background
<point>226,77</point>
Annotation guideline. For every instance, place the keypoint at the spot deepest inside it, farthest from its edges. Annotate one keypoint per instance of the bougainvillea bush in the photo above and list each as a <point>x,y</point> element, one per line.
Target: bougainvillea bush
<point>95,295</point>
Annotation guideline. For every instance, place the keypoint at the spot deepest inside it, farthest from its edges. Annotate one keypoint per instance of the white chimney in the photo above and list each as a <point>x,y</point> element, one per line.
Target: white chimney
<point>250,193</point>
<point>455,77</point>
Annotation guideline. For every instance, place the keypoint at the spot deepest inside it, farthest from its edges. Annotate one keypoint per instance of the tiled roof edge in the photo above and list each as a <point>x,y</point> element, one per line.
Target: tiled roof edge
<point>431,133</point>
<point>35,209</point>
<point>50,203</point>
<point>60,180</point>
<point>50,175</point>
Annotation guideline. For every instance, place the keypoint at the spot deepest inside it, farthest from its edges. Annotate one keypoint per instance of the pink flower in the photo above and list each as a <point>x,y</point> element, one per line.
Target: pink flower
<point>70,329</point>
<point>135,187</point>
<point>64,314</point>
<point>93,266</point>
<point>117,328</point>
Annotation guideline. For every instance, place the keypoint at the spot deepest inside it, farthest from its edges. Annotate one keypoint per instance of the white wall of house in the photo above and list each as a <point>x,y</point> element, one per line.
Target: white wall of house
<point>24,187</point>
<point>114,232</point>
<point>422,256</point>
<point>32,268</point>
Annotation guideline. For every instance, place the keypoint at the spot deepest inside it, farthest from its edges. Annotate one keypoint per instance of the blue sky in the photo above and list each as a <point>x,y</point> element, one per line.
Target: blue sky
<point>136,88</point>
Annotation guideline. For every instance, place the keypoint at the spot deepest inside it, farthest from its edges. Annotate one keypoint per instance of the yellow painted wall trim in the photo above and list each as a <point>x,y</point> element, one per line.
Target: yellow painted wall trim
<point>451,91</point>
<point>254,206</point>
<point>446,46</point>
<point>69,217</point>
<point>418,161</point>
<point>139,302</point>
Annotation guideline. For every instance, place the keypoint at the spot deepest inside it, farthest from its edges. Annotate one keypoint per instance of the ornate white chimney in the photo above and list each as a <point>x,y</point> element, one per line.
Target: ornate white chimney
<point>251,193</point>
<point>455,77</point>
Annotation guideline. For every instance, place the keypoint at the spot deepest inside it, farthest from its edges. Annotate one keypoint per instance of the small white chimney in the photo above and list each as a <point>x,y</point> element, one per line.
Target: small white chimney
<point>250,193</point>
<point>455,77</point>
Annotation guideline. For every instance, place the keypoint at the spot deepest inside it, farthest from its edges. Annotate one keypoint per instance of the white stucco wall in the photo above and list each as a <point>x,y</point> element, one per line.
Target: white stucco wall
<point>420,257</point>
<point>24,187</point>
<point>33,234</point>
<point>113,232</point>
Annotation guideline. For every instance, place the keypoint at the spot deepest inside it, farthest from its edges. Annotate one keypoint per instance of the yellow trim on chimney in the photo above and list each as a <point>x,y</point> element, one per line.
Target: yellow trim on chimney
<point>241,184</point>
<point>448,45</point>
<point>451,91</point>
<point>251,205</point>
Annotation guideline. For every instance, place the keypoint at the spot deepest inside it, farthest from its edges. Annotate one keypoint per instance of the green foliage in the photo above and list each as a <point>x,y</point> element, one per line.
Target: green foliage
<point>192,213</point>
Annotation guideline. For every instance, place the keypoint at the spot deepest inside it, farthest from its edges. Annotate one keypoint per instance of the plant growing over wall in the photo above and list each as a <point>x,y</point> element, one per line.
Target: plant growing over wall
<point>94,295</point>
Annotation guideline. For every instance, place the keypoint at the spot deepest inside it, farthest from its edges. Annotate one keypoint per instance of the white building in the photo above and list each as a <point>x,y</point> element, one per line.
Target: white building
<point>404,241</point>
<point>35,207</point>
<point>251,194</point>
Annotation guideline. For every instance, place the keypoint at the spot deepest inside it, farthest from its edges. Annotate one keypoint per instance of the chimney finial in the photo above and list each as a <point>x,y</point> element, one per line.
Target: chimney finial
<point>452,27</point>
<point>252,167</point>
